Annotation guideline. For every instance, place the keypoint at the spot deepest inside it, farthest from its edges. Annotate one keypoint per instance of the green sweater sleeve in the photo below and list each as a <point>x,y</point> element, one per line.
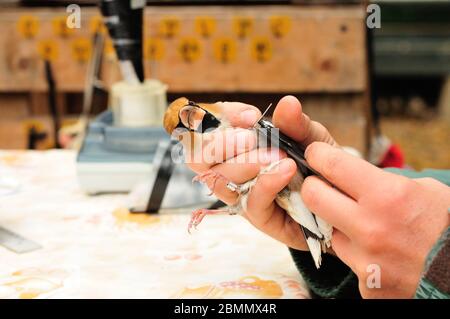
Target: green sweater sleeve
<point>441,175</point>
<point>334,279</point>
<point>435,281</point>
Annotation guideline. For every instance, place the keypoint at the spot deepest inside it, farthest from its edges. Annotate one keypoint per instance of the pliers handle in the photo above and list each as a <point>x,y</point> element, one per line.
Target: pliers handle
<point>265,130</point>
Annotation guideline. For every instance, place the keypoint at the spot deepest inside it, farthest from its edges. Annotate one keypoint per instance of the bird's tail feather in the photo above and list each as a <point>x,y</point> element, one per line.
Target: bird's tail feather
<point>316,250</point>
<point>314,245</point>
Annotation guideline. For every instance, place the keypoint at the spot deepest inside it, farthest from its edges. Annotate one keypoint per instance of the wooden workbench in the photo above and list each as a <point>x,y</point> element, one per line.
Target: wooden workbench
<point>317,52</point>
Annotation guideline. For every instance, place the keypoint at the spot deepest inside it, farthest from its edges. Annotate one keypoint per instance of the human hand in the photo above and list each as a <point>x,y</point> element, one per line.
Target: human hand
<point>262,211</point>
<point>384,224</point>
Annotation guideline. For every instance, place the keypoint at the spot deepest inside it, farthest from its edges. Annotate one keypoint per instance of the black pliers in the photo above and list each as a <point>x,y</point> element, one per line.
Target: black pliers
<point>272,136</point>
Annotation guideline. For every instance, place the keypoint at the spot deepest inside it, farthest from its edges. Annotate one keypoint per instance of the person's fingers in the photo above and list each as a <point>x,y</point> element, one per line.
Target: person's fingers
<point>342,247</point>
<point>263,212</point>
<point>240,114</point>
<point>246,166</point>
<point>217,146</point>
<point>241,169</point>
<point>290,119</point>
<point>268,186</point>
<point>352,175</point>
<point>331,205</point>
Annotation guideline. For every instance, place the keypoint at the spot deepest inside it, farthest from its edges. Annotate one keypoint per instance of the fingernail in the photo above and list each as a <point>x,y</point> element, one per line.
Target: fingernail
<point>307,151</point>
<point>285,167</point>
<point>249,117</point>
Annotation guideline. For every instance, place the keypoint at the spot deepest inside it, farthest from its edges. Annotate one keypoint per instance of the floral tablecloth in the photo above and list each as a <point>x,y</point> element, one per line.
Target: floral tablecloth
<point>93,248</point>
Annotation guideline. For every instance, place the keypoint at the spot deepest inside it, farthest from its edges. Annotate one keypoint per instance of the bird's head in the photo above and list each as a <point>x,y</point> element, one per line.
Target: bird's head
<point>184,116</point>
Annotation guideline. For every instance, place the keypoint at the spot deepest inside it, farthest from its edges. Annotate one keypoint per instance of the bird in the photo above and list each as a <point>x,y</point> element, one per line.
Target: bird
<point>190,123</point>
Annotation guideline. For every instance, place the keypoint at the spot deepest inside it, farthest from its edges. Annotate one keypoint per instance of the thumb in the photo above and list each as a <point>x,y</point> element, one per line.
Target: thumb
<point>290,119</point>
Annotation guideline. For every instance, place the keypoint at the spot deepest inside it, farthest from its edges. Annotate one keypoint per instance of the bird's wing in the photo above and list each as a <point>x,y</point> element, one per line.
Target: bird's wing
<point>291,201</point>
<point>293,204</point>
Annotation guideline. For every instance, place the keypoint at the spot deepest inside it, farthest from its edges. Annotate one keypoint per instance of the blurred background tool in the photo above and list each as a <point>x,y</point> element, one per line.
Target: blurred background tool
<point>71,136</point>
<point>124,22</point>
<point>114,156</point>
<point>126,146</point>
<point>15,242</point>
<point>52,100</point>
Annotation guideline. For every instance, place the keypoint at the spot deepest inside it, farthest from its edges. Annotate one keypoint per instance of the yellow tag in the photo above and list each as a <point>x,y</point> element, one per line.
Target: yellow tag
<point>189,49</point>
<point>169,27</point>
<point>81,49</point>
<point>60,27</point>
<point>96,25</point>
<point>28,26</point>
<point>261,49</point>
<point>280,25</point>
<point>225,50</point>
<point>48,50</point>
<point>154,49</point>
<point>205,26</point>
<point>242,26</point>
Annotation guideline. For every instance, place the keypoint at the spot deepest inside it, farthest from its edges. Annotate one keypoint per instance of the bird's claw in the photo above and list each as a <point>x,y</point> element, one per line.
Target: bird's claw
<point>198,215</point>
<point>204,177</point>
<point>196,218</point>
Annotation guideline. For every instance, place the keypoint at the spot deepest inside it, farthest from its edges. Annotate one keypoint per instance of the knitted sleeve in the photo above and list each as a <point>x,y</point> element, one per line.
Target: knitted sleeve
<point>435,281</point>
<point>332,280</point>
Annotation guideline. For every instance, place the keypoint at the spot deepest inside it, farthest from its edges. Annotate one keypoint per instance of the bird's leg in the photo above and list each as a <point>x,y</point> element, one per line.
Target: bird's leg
<point>198,215</point>
<point>210,174</point>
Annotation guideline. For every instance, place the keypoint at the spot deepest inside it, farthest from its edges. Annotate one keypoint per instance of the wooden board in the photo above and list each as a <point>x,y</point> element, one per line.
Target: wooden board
<point>267,48</point>
<point>13,105</point>
<point>14,133</point>
<point>344,117</point>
